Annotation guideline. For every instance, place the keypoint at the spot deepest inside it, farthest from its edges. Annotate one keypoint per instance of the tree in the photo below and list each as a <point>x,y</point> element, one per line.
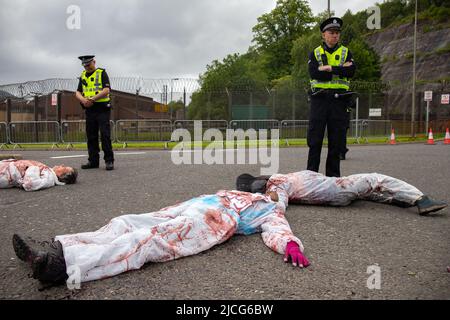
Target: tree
<point>300,53</point>
<point>235,73</point>
<point>275,33</point>
<point>367,61</point>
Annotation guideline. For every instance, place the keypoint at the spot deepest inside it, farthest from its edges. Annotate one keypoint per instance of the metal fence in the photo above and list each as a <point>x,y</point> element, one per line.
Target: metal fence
<point>124,131</point>
<point>143,130</point>
<point>294,129</point>
<point>221,125</point>
<point>33,132</point>
<point>74,131</point>
<point>257,125</point>
<point>3,134</point>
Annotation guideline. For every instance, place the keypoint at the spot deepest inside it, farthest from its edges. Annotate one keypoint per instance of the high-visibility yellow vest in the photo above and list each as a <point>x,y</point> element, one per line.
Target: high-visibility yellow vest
<point>336,82</point>
<point>93,85</point>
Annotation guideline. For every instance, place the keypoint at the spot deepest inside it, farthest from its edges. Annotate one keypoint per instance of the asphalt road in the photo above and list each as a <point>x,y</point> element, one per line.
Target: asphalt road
<point>412,252</point>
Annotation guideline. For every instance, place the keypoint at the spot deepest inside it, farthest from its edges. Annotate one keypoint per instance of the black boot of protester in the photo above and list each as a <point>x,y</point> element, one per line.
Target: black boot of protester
<point>426,205</point>
<point>45,259</point>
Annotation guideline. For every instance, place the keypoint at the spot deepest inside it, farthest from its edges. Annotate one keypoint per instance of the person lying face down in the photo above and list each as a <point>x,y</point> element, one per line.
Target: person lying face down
<point>310,187</point>
<point>33,175</point>
<point>129,241</point>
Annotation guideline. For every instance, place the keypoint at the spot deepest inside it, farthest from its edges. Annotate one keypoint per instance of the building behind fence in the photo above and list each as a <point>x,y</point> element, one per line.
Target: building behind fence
<point>144,99</point>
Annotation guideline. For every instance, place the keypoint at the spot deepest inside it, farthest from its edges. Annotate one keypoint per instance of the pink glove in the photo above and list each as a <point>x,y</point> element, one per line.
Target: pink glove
<point>297,257</point>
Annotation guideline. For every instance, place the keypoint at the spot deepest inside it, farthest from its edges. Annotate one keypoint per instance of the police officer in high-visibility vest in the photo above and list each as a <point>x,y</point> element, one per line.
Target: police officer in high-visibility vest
<point>330,67</point>
<point>93,94</point>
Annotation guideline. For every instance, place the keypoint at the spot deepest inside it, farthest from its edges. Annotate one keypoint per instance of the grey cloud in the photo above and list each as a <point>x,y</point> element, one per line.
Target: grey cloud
<point>153,39</point>
<point>149,38</point>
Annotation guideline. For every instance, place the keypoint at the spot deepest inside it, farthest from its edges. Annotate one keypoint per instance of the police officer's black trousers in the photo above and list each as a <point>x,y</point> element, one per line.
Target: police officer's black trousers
<point>95,121</point>
<point>327,112</point>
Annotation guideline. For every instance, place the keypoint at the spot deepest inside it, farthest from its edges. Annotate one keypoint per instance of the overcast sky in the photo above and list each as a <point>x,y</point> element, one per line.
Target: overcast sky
<point>152,39</point>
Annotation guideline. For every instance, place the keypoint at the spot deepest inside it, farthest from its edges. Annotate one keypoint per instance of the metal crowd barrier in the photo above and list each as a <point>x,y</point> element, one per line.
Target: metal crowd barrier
<point>294,129</point>
<point>375,128</point>
<point>34,132</point>
<point>221,125</point>
<point>256,125</point>
<point>3,134</point>
<point>74,131</point>
<point>143,130</point>
<point>123,131</point>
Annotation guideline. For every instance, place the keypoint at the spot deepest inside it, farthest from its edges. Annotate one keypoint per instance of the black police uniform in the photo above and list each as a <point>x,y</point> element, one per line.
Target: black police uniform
<point>98,118</point>
<point>329,109</point>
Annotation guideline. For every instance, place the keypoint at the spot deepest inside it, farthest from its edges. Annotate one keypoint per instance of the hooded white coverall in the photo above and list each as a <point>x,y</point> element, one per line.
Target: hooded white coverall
<point>310,187</point>
<point>129,241</point>
<point>27,174</point>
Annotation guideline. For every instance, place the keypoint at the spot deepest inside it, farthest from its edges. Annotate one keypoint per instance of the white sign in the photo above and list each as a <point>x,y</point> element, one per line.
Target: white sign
<point>445,99</point>
<point>54,99</point>
<point>428,96</point>
<point>375,112</point>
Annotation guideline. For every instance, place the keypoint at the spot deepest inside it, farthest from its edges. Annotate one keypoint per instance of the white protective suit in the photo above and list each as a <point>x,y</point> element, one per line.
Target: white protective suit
<point>27,174</point>
<point>310,187</point>
<point>129,241</point>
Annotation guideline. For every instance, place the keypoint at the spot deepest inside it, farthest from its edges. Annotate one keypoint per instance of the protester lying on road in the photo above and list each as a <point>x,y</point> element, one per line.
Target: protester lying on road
<point>33,175</point>
<point>129,241</point>
<point>310,187</point>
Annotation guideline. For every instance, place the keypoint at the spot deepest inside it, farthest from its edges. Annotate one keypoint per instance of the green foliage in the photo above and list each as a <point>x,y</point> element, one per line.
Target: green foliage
<point>276,31</point>
<point>282,41</point>
<point>443,50</point>
<point>435,14</point>
<point>366,59</point>
<point>291,99</point>
<point>300,53</point>
<point>235,73</point>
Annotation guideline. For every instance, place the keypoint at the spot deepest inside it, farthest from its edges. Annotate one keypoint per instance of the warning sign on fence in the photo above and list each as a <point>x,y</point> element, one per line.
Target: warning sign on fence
<point>375,112</point>
<point>54,99</point>
<point>445,98</point>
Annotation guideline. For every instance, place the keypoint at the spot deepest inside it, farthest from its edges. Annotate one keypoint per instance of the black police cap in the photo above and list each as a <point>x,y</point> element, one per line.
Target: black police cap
<point>85,60</point>
<point>331,23</point>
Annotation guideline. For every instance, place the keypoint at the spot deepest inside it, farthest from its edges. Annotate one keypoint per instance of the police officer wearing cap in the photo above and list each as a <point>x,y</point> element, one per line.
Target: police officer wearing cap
<point>93,94</point>
<point>330,67</point>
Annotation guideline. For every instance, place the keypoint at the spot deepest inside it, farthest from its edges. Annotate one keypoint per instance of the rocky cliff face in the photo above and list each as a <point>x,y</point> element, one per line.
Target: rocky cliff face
<point>395,48</point>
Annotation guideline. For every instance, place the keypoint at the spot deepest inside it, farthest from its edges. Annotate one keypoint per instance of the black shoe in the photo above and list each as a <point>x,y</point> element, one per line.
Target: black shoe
<point>109,165</point>
<point>24,250</point>
<point>89,165</point>
<point>342,154</point>
<point>425,205</point>
<point>48,263</point>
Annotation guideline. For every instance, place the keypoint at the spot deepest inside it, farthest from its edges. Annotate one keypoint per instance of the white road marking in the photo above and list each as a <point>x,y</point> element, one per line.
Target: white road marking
<point>128,153</point>
<point>75,156</point>
<point>85,155</point>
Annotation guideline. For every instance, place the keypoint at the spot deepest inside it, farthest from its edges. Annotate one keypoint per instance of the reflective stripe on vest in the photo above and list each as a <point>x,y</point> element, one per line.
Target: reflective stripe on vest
<point>336,82</point>
<point>94,85</point>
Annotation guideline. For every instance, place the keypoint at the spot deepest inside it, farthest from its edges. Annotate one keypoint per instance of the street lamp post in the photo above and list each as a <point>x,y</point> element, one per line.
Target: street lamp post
<point>413,107</point>
<point>171,93</point>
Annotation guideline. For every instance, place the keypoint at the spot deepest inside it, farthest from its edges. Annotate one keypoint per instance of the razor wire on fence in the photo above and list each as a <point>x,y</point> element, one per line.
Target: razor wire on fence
<point>132,85</point>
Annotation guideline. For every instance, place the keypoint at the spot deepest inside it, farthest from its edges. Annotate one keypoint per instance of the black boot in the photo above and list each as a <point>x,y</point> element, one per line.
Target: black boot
<point>109,165</point>
<point>426,205</point>
<point>47,261</point>
<point>89,165</point>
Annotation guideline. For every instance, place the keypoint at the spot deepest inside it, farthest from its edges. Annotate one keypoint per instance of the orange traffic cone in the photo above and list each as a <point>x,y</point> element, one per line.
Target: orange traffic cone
<point>392,137</point>
<point>430,137</point>
<point>447,137</point>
